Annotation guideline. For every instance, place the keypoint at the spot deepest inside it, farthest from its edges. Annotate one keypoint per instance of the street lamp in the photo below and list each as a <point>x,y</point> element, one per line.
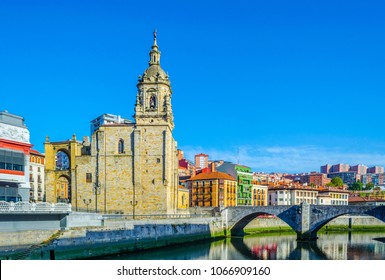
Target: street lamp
<point>133,208</point>
<point>87,202</point>
<point>96,192</point>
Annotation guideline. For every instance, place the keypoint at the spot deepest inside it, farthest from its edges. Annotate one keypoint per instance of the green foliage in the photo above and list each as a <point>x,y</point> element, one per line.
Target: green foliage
<point>336,182</point>
<point>369,186</point>
<point>357,186</point>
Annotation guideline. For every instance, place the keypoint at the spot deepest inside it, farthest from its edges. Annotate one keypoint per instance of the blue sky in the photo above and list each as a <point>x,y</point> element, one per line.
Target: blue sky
<point>280,86</point>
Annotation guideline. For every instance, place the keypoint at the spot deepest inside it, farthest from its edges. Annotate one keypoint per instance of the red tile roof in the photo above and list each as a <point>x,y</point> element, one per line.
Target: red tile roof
<point>212,175</point>
<point>36,152</point>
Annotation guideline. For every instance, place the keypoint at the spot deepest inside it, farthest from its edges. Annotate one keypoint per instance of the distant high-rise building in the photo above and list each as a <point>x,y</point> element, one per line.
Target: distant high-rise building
<point>317,179</point>
<point>325,169</point>
<point>106,119</point>
<point>180,154</point>
<point>348,177</point>
<point>201,161</point>
<point>340,167</point>
<point>375,169</point>
<point>359,169</point>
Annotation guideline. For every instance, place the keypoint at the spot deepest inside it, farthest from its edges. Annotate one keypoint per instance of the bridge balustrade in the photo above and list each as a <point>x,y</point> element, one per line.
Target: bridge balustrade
<point>28,207</point>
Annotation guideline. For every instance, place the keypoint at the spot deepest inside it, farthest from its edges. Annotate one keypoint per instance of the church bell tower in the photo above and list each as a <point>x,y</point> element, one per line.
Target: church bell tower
<point>155,150</point>
<point>153,100</point>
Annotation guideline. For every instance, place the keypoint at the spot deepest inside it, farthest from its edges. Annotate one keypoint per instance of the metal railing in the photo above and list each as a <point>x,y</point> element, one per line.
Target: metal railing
<point>26,207</point>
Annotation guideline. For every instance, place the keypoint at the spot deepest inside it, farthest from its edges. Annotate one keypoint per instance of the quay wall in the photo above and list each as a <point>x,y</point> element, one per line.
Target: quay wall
<point>115,237</point>
<point>106,237</point>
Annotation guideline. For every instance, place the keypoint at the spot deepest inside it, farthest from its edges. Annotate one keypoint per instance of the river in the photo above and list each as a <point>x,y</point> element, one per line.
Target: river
<point>329,246</point>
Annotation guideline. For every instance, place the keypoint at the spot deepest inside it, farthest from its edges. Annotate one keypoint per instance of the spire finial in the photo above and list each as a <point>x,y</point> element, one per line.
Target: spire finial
<point>155,37</point>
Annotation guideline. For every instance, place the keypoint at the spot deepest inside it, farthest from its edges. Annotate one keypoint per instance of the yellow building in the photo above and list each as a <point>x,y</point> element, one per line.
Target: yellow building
<point>259,194</point>
<point>335,196</point>
<point>126,167</point>
<point>215,189</point>
<point>183,198</point>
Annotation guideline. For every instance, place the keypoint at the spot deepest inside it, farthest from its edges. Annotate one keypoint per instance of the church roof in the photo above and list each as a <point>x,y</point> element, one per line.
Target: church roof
<point>154,72</point>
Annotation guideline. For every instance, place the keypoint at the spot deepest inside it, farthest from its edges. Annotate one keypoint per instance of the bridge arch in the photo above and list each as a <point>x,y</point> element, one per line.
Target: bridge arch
<point>304,219</point>
<point>320,217</point>
<point>238,228</point>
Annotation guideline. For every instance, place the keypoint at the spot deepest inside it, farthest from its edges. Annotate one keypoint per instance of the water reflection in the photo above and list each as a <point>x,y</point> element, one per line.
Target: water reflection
<point>341,246</point>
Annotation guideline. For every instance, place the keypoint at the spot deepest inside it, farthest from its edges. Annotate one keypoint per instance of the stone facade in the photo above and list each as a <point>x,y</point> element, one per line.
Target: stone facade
<point>130,168</point>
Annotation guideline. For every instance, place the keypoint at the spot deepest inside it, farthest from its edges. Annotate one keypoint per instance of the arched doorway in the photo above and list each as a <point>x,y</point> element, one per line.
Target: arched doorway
<point>63,190</point>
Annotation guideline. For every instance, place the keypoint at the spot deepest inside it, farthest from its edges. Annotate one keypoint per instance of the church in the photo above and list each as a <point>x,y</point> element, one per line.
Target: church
<point>128,167</point>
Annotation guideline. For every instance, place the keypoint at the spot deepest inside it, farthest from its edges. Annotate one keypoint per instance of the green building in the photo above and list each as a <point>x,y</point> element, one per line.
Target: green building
<point>244,178</point>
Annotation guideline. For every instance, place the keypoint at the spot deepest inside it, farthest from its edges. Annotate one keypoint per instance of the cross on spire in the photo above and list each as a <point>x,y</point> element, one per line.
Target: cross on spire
<point>155,37</point>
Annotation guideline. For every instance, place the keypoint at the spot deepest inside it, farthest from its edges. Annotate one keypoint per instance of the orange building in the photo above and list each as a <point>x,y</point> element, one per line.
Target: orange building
<point>213,189</point>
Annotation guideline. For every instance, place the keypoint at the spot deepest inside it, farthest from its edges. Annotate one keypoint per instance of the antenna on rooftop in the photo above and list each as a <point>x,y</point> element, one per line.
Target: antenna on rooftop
<point>238,156</point>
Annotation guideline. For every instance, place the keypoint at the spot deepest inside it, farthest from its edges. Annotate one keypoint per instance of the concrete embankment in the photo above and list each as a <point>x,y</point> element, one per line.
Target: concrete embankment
<point>89,236</point>
<point>113,237</point>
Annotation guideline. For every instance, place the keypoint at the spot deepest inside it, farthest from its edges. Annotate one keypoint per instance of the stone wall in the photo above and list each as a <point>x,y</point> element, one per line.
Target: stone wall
<point>115,237</point>
<point>340,221</point>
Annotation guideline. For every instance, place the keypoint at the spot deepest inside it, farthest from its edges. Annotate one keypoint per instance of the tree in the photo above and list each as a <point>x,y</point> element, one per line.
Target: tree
<point>369,186</point>
<point>356,186</point>
<point>377,189</point>
<point>336,182</point>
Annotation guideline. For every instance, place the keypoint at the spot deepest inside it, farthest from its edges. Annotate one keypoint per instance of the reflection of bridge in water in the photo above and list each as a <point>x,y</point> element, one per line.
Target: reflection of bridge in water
<point>270,251</point>
<point>304,219</point>
<point>335,246</point>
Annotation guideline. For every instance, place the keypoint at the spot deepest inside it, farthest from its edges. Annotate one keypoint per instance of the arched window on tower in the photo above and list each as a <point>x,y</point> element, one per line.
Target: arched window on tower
<point>152,102</point>
<point>121,146</point>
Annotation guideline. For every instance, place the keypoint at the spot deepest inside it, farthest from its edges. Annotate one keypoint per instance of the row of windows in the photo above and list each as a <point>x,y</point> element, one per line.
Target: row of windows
<point>32,178</point>
<point>310,201</point>
<point>31,168</point>
<point>11,166</point>
<point>11,160</point>
<point>339,202</point>
<point>339,196</point>
<point>259,191</point>
<point>39,188</point>
<point>210,183</point>
<point>37,160</point>
<point>308,194</point>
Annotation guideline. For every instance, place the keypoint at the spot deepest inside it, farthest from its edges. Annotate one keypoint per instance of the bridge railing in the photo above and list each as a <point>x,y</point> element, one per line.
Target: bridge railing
<point>28,207</point>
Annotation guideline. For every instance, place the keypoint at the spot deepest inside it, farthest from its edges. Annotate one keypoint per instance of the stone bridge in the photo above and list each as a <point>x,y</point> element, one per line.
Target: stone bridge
<point>305,219</point>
